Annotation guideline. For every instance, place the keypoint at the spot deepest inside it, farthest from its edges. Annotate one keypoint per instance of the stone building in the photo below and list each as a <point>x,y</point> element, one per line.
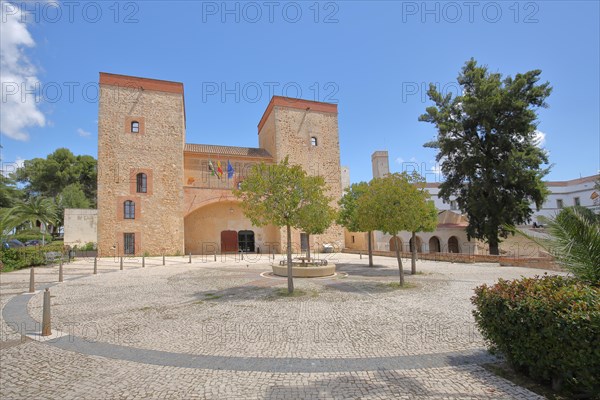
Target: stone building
<point>158,194</point>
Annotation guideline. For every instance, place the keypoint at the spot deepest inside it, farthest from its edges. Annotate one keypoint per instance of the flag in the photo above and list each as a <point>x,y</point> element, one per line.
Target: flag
<point>211,168</point>
<point>219,169</point>
<point>230,170</point>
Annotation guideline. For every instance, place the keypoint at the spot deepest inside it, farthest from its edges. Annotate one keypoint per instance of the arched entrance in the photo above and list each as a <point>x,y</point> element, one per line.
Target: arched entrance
<point>393,243</point>
<point>453,246</point>
<point>410,243</point>
<point>246,241</point>
<point>434,244</point>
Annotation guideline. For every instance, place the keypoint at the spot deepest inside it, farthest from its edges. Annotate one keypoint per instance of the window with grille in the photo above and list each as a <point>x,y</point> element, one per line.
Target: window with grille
<point>129,243</point>
<point>129,210</point>
<point>135,127</point>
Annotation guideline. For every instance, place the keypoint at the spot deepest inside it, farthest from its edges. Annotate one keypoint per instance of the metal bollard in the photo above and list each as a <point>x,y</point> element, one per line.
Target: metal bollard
<point>242,254</point>
<point>95,266</point>
<point>190,258</point>
<point>163,259</point>
<point>46,327</point>
<point>121,263</point>
<point>31,280</point>
<point>60,271</point>
<point>143,261</point>
<point>215,256</point>
<point>360,254</point>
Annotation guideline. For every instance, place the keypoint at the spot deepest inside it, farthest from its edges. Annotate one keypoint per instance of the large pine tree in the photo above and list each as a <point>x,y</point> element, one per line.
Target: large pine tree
<point>488,148</point>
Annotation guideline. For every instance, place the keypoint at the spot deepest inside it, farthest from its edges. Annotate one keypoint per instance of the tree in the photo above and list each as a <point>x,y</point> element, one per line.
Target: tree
<point>349,218</point>
<point>488,151</point>
<point>36,209</point>
<point>277,194</point>
<point>316,216</point>
<point>72,196</point>
<point>9,194</point>
<point>50,176</point>
<point>422,214</point>
<point>393,204</point>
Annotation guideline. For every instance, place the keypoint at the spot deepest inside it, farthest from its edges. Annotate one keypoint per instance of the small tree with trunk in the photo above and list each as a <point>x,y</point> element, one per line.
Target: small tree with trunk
<point>276,194</point>
<point>348,215</point>
<point>395,203</point>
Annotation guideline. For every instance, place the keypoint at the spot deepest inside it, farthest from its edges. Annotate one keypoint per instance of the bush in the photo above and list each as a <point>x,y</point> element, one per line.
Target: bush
<point>25,257</point>
<point>548,328</point>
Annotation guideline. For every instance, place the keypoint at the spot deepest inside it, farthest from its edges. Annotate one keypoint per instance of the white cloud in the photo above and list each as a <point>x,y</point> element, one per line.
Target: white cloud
<point>400,160</point>
<point>10,167</point>
<point>83,133</point>
<point>17,75</point>
<point>539,138</point>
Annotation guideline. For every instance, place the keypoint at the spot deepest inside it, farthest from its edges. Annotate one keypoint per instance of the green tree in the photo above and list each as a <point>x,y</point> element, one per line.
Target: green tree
<point>50,176</point>
<point>349,217</point>
<point>487,148</point>
<point>317,215</point>
<point>36,209</point>
<point>396,203</point>
<point>422,215</point>
<point>276,194</point>
<point>9,193</point>
<point>72,196</point>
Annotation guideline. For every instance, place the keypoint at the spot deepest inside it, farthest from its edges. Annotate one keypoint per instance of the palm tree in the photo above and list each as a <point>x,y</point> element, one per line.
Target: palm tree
<point>574,239</point>
<point>33,210</point>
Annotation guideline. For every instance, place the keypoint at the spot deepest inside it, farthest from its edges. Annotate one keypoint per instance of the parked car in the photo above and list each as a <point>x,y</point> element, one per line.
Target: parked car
<point>12,244</point>
<point>34,242</point>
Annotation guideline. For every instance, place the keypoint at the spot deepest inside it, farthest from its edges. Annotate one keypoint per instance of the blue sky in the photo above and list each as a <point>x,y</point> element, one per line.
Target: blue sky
<point>372,58</point>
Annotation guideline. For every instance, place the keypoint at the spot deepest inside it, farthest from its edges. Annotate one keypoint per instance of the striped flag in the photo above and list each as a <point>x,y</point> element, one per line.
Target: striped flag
<point>219,169</point>
<point>211,168</point>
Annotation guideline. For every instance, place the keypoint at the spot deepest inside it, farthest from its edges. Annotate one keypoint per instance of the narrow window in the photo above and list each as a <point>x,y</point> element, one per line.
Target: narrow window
<point>576,201</point>
<point>135,127</point>
<point>559,203</point>
<point>352,238</point>
<point>453,205</point>
<point>313,141</point>
<point>129,210</point>
<point>129,243</point>
<point>141,183</point>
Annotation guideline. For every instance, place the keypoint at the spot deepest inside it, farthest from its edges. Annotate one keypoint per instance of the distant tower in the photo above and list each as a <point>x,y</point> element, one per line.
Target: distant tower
<point>381,164</point>
<point>141,135</point>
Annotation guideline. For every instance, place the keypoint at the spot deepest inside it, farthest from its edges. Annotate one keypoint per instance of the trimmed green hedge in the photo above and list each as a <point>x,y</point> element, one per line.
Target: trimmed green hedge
<point>24,257</point>
<point>546,327</point>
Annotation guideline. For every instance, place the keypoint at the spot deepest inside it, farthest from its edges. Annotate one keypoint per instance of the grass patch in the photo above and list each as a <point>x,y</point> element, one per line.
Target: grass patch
<point>212,296</point>
<point>503,370</point>
<point>147,308</point>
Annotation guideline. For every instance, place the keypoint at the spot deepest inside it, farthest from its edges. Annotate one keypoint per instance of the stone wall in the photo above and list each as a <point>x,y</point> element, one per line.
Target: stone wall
<point>81,226</point>
<point>287,130</point>
<point>157,148</point>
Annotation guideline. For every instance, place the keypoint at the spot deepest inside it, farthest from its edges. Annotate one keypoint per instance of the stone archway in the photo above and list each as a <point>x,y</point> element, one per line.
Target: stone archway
<point>453,246</point>
<point>434,244</point>
<point>419,245</point>
<point>393,243</point>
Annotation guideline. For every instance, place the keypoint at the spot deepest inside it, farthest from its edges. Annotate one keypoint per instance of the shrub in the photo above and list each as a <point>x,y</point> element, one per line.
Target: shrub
<point>548,328</point>
<point>24,257</point>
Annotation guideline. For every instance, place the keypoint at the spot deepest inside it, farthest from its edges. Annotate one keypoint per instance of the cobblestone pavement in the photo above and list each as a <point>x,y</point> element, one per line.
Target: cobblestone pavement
<point>222,330</point>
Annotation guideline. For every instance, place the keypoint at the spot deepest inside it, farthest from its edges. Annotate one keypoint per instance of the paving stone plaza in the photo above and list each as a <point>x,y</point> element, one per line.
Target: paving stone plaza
<point>222,330</point>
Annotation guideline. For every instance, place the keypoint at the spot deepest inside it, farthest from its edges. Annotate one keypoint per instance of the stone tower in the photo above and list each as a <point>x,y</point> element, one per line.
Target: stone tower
<point>307,133</point>
<point>381,164</point>
<point>141,136</point>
